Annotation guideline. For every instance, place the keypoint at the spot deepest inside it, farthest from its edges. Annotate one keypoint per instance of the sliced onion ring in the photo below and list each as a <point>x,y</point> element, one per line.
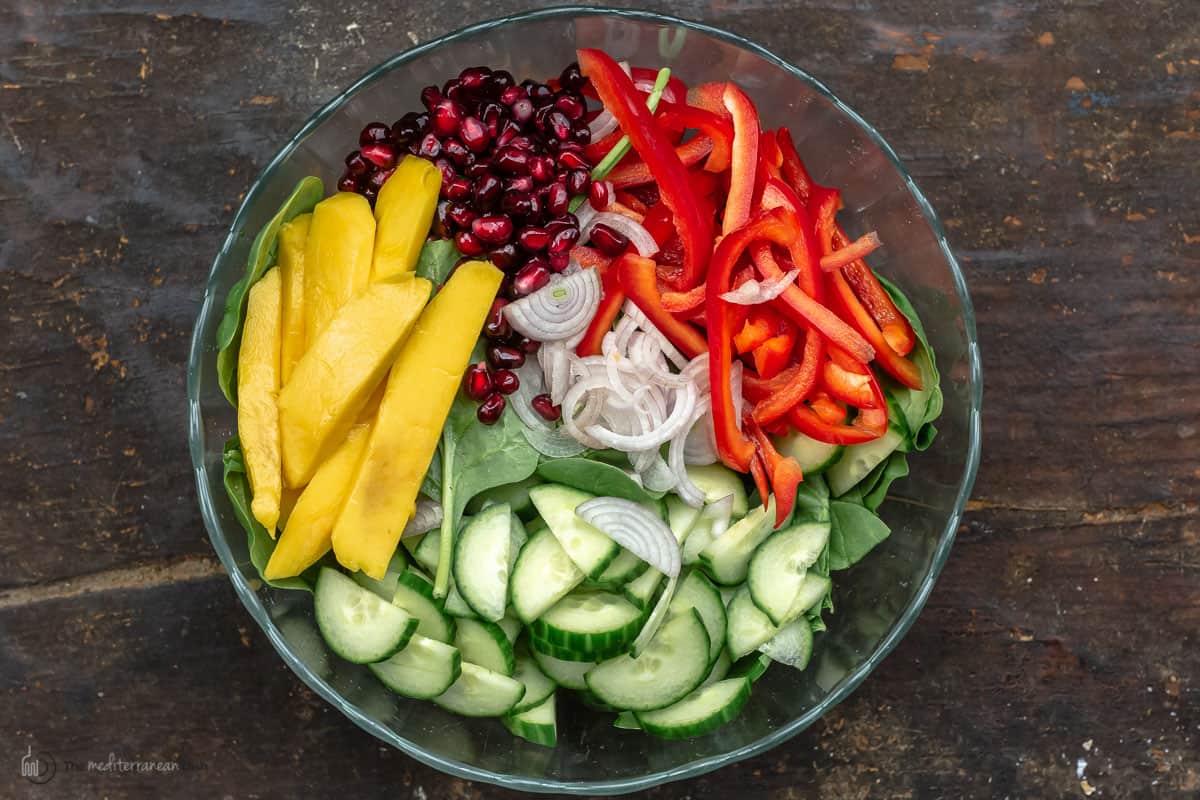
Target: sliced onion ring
<point>426,516</point>
<point>635,528</point>
<point>557,311</point>
<point>754,292</point>
<point>655,620</point>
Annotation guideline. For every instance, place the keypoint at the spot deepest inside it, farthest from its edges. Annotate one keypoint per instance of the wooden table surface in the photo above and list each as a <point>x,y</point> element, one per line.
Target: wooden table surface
<point>1058,655</point>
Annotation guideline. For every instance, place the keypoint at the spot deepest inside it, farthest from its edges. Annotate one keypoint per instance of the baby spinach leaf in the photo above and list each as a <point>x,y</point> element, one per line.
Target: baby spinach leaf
<point>437,261</point>
<point>920,408</point>
<point>595,477</point>
<point>872,490</point>
<point>854,532</point>
<point>304,197</point>
<point>812,500</point>
<point>261,545</point>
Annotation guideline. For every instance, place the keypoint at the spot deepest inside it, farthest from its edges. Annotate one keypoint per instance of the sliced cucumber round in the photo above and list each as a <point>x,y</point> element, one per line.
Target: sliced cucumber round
<point>587,547</point>
<point>385,587</point>
<point>624,568</point>
<point>720,668</point>
<point>485,644</point>
<point>627,721</point>
<point>481,692</point>
<point>718,481</point>
<point>481,561</point>
<point>423,669</point>
<point>428,551</point>
<point>672,665</point>
<point>456,606</point>
<point>544,647</point>
<point>748,627</point>
<point>414,594</point>
<point>543,575</point>
<point>811,592</point>
<point>696,591</point>
<point>592,623</point>
<point>751,667</point>
<point>538,724</point>
<point>793,644</point>
<point>699,713</point>
<point>778,567</point>
<point>813,457</point>
<point>358,624</point>
<point>538,685</point>
<point>858,460</point>
<point>640,591</point>
<point>566,673</point>
<point>727,557</point>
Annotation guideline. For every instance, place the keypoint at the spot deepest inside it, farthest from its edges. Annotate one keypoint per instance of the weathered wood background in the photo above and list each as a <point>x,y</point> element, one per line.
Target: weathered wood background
<point>1058,656</point>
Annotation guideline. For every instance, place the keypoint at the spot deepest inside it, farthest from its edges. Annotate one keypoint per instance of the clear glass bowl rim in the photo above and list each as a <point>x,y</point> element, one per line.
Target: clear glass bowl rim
<point>259,612</point>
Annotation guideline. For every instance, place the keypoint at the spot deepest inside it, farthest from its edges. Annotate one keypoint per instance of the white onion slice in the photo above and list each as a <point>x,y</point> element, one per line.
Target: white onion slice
<point>426,516</point>
<point>677,461</point>
<point>636,528</point>
<point>655,620</point>
<point>700,447</point>
<point>604,124</point>
<point>552,442</point>
<point>639,236</point>
<point>559,310</point>
<point>659,478</point>
<point>754,292</point>
<point>584,215</point>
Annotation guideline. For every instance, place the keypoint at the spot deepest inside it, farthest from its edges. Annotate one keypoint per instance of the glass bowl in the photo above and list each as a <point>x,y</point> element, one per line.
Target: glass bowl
<point>877,601</point>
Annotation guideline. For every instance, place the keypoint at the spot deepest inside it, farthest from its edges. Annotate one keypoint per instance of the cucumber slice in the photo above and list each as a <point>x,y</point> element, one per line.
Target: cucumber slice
<point>427,551</point>
<point>793,644</point>
<point>538,685</point>
<point>699,538</point>
<point>543,575</point>
<point>386,587</point>
<point>424,669</point>
<point>640,591</point>
<point>358,624</point>
<point>624,568</point>
<point>813,457</point>
<point>778,567</point>
<point>718,481</point>
<point>590,623</point>
<point>588,548</point>
<point>672,665</point>
<point>811,592</point>
<point>748,627</point>
<point>727,557</point>
<point>701,712</point>
<point>544,647</point>
<point>481,692</point>
<point>516,495</point>
<point>627,721</point>
<point>511,627</point>
<point>518,536</point>
<point>751,667</point>
<point>456,606</point>
<point>481,561</point>
<point>538,724</point>
<point>720,668</point>
<point>681,517</point>
<point>859,459</point>
<point>414,594</point>
<point>568,674</point>
<point>696,591</point>
<point>485,644</point>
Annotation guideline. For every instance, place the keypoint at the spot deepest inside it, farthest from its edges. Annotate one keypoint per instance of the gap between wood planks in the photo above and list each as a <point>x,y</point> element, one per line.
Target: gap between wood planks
<point>142,576</point>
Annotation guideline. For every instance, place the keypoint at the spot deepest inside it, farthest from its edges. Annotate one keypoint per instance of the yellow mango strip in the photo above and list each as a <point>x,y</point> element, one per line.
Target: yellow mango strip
<point>337,257</point>
<point>420,390</point>
<point>306,537</point>
<point>293,238</point>
<point>258,398</point>
<point>287,502</point>
<point>334,378</point>
<point>403,214</point>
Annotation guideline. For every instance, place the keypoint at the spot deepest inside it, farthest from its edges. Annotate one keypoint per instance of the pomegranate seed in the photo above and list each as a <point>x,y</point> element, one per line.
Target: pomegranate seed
<point>455,91</point>
<point>459,189</point>
<point>609,241</point>
<point>512,161</point>
<point>508,131</point>
<point>557,199</point>
<point>481,167</point>
<point>348,183</point>
<point>431,146</point>
<point>578,181</point>
<point>489,410</point>
<point>542,169</point>
<point>492,115</point>
<point>545,408</point>
<point>572,78</point>
<point>559,261</point>
<point>533,239</point>
<point>531,277</point>
<point>581,135</point>
<point>571,160</point>
<point>501,356</point>
<point>467,244</point>
<point>474,134</point>
<point>526,345</point>
<point>441,222</point>
<point>507,381</point>
<point>357,165</point>
<point>564,220</point>
<point>381,155</point>
<point>521,183</point>
<point>522,110</point>
<point>541,94</point>
<point>462,215</point>
<point>447,170</point>
<point>422,121</point>
<point>446,114</point>
<point>519,204</point>
<point>487,191</point>
<point>456,151</point>
<point>523,143</point>
<point>477,382</point>
<point>493,229</point>
<point>430,97</point>
<point>406,128</point>
<point>512,94</point>
<point>505,256</point>
<point>571,106</point>
<point>563,240</point>
<point>378,178</point>
<point>560,125</point>
<point>373,133</point>
<point>574,147</point>
<point>474,77</point>
<point>600,194</point>
<point>496,326</point>
<point>502,81</point>
<point>370,194</point>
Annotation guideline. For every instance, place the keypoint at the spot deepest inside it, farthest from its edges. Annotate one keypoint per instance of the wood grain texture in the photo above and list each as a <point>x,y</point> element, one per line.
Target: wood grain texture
<point>1059,142</point>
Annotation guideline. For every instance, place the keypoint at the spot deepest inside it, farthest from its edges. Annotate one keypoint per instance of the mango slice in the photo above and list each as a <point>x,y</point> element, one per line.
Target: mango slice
<point>333,380</point>
<point>306,537</point>
<point>403,214</point>
<point>337,257</point>
<point>293,237</point>
<point>258,397</point>
<point>420,390</point>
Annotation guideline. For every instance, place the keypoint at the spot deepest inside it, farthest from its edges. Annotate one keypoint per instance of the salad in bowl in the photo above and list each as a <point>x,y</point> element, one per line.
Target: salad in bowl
<point>571,385</point>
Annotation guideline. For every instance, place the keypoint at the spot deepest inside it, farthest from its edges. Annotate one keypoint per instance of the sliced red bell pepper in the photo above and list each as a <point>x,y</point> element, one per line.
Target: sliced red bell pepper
<point>851,309</point>
<point>793,168</point>
<point>773,355</point>
<point>800,383</point>
<point>826,407</point>
<point>859,249</point>
<point>682,302</point>
<point>803,249</point>
<point>612,298</point>
<point>710,97</point>
<point>630,200</point>
<point>617,207</point>
<point>824,206</point>
<point>758,471</point>
<point>589,257</point>
<point>761,324</point>
<point>619,96</point>
<point>848,386</point>
<point>675,118</point>
<point>769,162</point>
<point>595,151</point>
<point>744,159</point>
<point>870,424</point>
<point>786,475</point>
<point>639,279</point>
<point>636,173</point>
<point>896,330</point>
<point>644,79</point>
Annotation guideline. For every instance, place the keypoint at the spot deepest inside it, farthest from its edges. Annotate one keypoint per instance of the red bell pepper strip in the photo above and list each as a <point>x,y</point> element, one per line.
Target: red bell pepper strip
<point>761,326</point>
<point>849,306</point>
<point>595,151</point>
<point>871,423</point>
<point>897,331</point>
<point>589,257</point>
<point>803,249</point>
<point>639,279</point>
<point>709,96</point>
<point>675,117</point>
<point>848,386</point>
<point>794,171</point>
<point>773,355</point>
<point>644,79</point>
<point>682,302</point>
<point>786,475</point>
<point>619,96</point>
<point>824,205</point>
<point>758,471</point>
<point>769,162</point>
<point>744,159</point>
<point>617,207</point>
<point>860,248</point>
<point>631,201</point>
<point>637,173</point>
<point>780,400</point>
<point>826,407</point>
<point>612,298</point>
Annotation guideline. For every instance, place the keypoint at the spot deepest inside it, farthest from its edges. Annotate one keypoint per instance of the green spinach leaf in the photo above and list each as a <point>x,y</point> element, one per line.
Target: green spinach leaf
<point>872,490</point>
<point>920,408</point>
<point>261,545</point>
<point>854,532</point>
<point>437,261</point>
<point>812,500</point>
<point>596,477</point>
<point>304,197</point>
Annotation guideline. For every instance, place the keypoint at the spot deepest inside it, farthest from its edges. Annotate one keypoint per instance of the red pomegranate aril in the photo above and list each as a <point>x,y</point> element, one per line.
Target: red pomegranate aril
<point>489,410</point>
<point>505,256</point>
<point>519,204</point>
<point>542,169</point>
<point>459,189</point>
<point>474,77</point>
<point>572,77</point>
<point>525,345</point>
<point>512,94</point>
<point>373,133</point>
<point>559,261</point>
<point>557,199</point>
<point>406,128</point>
<point>600,194</point>
<point>560,125</point>
<point>474,134</point>
<point>541,94</point>
<point>522,142</point>
<point>430,147</point>
<point>447,169</point>
<point>481,167</point>
<point>520,183</point>
<point>441,222</point>
<point>492,229</point>
<point>533,239</point>
<point>545,408</point>
<point>507,132</point>
<point>370,194</point>
<point>348,183</point>
<point>578,181</point>
<point>487,191</point>
<point>564,220</point>
<point>570,106</point>
<point>581,135</point>
<point>381,155</point>
<point>356,165</point>
<point>563,240</point>
<point>512,161</point>
<point>462,215</point>
<point>423,122</point>
<point>522,110</point>
<point>456,151</point>
<point>467,244</point>
<point>430,97</point>
<point>502,80</point>
<point>608,241</point>
<point>501,356</point>
<point>477,382</point>
<point>378,178</point>
<point>531,277</point>
<point>506,381</point>
<point>572,160</point>
<point>496,326</point>
<point>492,114</point>
<point>445,116</point>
